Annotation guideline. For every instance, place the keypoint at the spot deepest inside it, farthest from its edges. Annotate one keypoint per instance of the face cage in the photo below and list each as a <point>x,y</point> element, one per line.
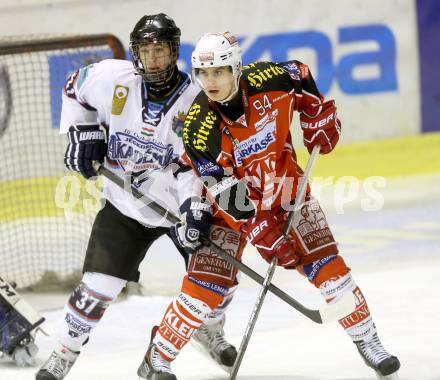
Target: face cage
<point>158,76</point>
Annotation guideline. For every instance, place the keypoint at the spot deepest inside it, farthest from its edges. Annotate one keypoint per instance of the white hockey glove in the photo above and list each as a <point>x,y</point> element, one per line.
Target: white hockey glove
<point>196,217</point>
<point>87,143</point>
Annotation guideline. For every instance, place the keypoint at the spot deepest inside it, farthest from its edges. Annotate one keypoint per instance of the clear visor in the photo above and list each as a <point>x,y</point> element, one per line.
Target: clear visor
<point>213,75</point>
<point>219,83</point>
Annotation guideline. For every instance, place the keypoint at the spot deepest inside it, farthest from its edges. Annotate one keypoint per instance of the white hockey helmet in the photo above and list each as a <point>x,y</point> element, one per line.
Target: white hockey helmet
<point>217,50</point>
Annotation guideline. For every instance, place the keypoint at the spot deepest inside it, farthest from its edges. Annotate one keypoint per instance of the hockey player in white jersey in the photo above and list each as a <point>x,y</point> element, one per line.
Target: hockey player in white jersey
<point>129,116</point>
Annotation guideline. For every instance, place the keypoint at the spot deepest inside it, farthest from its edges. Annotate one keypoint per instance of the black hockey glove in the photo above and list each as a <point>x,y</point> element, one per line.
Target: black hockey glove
<point>196,217</point>
<point>87,143</point>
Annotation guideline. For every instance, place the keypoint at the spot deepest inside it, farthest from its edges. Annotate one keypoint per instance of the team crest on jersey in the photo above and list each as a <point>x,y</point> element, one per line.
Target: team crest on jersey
<point>177,123</point>
<point>136,154</point>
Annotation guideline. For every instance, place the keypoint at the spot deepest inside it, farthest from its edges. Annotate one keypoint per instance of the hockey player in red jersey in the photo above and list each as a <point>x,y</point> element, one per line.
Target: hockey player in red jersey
<point>128,116</point>
<point>237,138</point>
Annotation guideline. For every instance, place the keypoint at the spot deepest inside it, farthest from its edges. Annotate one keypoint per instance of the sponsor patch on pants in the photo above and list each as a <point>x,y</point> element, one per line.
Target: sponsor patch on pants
<point>206,263</point>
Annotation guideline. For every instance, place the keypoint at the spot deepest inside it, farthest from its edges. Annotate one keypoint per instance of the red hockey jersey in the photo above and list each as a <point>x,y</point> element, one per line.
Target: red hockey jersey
<point>249,164</point>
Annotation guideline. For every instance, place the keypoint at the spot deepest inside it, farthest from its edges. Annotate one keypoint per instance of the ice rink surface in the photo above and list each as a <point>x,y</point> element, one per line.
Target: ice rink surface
<point>394,254</point>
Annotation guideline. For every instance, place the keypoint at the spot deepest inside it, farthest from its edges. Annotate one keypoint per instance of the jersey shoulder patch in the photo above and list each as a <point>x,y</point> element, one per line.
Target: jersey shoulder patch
<point>296,69</point>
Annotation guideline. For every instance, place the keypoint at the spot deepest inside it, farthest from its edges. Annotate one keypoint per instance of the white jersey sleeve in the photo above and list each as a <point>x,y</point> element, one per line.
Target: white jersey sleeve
<point>83,100</point>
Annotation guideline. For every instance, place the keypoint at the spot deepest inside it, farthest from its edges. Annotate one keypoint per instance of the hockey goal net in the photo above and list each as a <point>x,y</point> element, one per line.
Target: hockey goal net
<point>45,213</point>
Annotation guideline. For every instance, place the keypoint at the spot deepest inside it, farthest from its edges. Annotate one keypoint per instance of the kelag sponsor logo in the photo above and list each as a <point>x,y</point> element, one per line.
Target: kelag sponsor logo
<point>331,68</point>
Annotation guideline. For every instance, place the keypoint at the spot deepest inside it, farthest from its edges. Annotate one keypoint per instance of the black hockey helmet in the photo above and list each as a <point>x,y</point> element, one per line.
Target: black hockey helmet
<point>154,29</point>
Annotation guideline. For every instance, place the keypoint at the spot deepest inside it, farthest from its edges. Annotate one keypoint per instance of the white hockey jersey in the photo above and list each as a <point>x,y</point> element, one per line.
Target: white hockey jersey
<point>110,93</point>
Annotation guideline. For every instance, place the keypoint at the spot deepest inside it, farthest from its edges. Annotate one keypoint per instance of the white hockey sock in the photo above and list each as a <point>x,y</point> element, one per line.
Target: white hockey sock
<point>359,324</point>
<point>86,307</point>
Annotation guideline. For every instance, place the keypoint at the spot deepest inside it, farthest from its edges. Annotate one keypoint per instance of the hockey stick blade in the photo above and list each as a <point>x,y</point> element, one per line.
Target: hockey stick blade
<point>327,314</point>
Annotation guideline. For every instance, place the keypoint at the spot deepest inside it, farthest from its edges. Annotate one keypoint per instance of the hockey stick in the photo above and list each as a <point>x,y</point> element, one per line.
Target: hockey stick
<point>253,319</point>
<point>299,199</point>
<point>328,313</point>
